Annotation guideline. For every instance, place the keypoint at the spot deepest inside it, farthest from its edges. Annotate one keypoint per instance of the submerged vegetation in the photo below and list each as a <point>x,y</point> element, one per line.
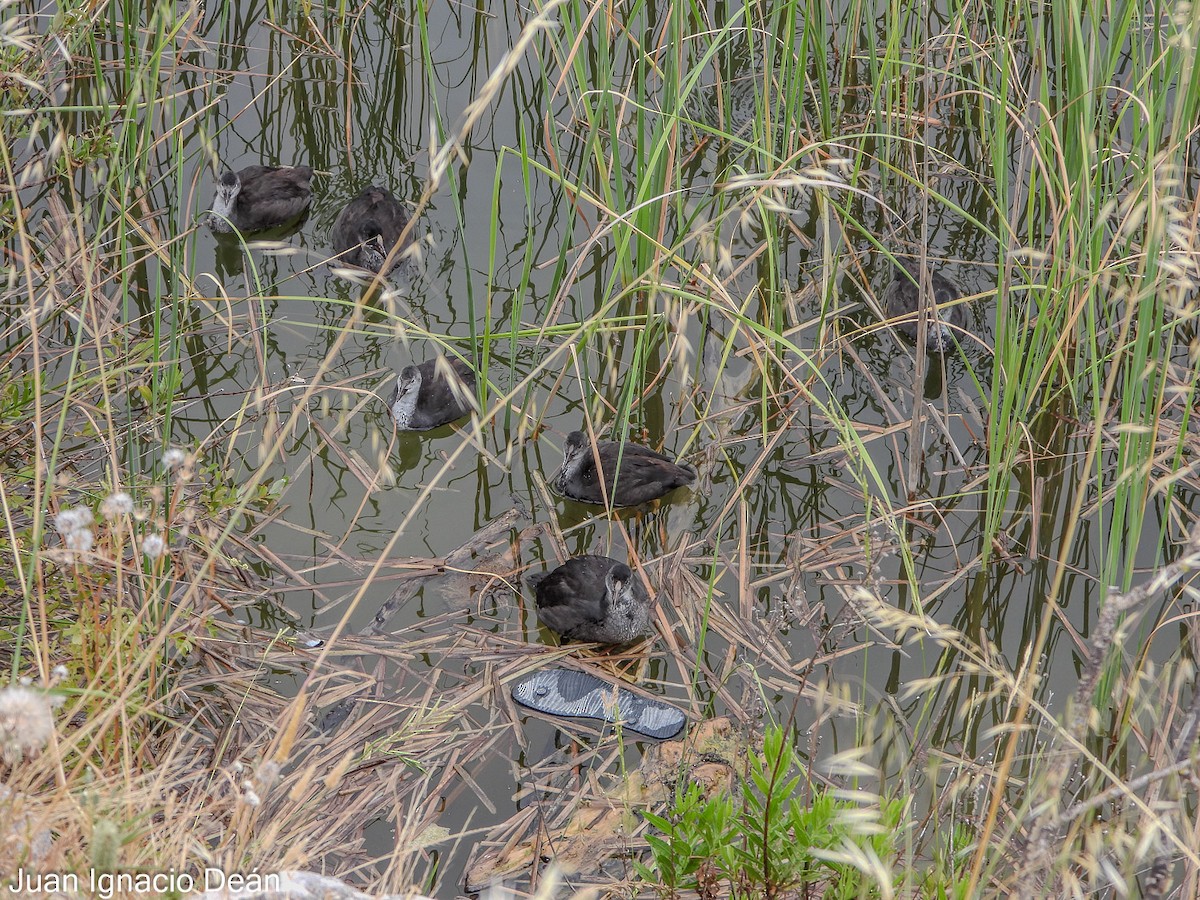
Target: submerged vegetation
<point>947,598</point>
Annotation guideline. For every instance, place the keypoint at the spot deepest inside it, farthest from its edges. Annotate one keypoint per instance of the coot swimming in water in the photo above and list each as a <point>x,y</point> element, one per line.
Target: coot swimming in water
<point>368,227</point>
<point>428,395</point>
<point>903,298</point>
<point>592,598</point>
<point>643,474</point>
<point>260,197</point>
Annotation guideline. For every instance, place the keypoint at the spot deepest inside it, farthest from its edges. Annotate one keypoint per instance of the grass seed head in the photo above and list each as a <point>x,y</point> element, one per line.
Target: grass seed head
<point>26,723</point>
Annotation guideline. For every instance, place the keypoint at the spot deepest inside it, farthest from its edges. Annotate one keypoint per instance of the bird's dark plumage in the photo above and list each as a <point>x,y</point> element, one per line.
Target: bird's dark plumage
<point>436,392</point>
<point>368,228</point>
<point>261,197</point>
<point>592,598</point>
<point>643,475</point>
<point>902,298</point>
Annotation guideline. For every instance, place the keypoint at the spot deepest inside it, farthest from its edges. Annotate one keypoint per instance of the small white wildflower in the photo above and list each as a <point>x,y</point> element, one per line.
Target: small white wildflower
<point>72,519</point>
<point>174,457</point>
<point>117,504</point>
<point>80,540</point>
<point>59,672</point>
<point>153,546</point>
<point>249,797</point>
<point>26,723</point>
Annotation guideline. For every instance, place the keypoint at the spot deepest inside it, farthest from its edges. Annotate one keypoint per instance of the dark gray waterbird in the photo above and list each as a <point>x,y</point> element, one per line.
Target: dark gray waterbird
<point>260,197</point>
<point>592,598</point>
<point>367,229</point>
<point>902,298</point>
<point>643,474</point>
<point>432,394</point>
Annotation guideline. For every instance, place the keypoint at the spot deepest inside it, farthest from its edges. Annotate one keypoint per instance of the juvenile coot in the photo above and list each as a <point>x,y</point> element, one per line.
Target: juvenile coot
<point>592,598</point>
<point>367,229</point>
<point>903,298</point>
<point>428,395</point>
<point>260,197</point>
<point>643,475</point>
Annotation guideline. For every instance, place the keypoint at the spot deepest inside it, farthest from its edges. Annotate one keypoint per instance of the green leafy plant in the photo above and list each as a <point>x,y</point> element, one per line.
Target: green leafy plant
<point>699,831</point>
<point>781,834</point>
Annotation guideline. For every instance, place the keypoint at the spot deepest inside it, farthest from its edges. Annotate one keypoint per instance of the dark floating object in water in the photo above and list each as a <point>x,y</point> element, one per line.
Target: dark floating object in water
<point>592,598</point>
<point>260,197</point>
<point>432,394</point>
<point>368,227</point>
<point>567,692</point>
<point>643,474</point>
<point>903,298</point>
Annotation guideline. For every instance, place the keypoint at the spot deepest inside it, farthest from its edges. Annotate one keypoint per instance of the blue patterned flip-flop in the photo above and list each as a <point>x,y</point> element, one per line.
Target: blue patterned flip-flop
<point>569,692</point>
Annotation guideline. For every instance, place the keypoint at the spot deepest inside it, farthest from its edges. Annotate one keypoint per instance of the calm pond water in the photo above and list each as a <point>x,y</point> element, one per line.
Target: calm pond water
<point>759,511</point>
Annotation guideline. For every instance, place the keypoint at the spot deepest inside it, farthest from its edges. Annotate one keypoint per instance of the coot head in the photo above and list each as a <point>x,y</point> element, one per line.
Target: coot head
<point>617,583</point>
<point>903,300</point>
<point>406,397</point>
<point>224,202</point>
<point>373,254</point>
<point>407,382</point>
<point>573,455</point>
